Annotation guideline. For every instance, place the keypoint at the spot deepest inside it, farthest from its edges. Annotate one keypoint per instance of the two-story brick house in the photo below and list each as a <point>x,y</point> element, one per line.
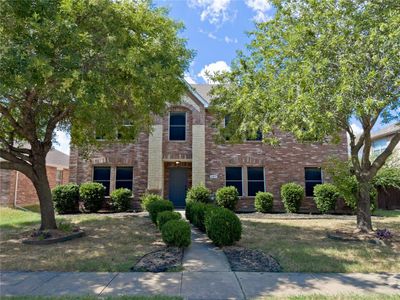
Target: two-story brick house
<point>182,151</point>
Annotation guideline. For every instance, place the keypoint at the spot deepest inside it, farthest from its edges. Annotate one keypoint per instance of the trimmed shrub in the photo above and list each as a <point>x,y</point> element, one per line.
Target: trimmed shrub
<point>146,199</point>
<point>176,233</point>
<point>223,226</point>
<point>189,210</point>
<point>92,195</point>
<point>198,194</point>
<point>263,202</point>
<point>121,199</point>
<point>158,206</point>
<point>165,216</point>
<point>325,197</point>
<point>199,211</point>
<point>227,197</point>
<point>66,198</point>
<point>292,194</point>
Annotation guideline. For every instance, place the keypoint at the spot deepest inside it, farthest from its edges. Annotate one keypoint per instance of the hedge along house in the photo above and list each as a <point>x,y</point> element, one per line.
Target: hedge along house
<point>182,152</point>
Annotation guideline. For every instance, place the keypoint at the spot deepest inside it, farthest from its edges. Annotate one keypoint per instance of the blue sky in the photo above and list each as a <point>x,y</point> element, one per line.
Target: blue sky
<point>215,29</point>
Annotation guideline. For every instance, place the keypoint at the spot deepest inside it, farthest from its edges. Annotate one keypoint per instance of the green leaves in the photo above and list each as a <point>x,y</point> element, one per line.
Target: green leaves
<point>315,65</point>
<point>104,61</point>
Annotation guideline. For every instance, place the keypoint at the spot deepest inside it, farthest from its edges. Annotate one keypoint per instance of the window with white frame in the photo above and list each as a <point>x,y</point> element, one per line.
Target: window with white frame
<point>59,177</point>
<point>313,176</point>
<point>124,178</point>
<point>103,175</point>
<point>255,180</point>
<point>177,126</point>
<point>233,177</point>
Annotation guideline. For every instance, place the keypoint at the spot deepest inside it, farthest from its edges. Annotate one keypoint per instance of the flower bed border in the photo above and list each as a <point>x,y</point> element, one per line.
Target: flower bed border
<point>49,241</point>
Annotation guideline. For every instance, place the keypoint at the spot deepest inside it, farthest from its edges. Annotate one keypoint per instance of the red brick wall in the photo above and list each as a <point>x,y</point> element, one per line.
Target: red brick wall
<point>282,164</point>
<point>26,192</point>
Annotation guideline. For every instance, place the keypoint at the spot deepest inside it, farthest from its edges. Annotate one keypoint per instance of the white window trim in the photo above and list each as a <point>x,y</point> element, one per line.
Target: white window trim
<point>186,126</point>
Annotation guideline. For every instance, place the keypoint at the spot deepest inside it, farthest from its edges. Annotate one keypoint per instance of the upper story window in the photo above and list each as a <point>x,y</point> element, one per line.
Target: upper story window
<point>258,136</point>
<point>125,126</point>
<point>313,176</point>
<point>124,178</point>
<point>233,177</point>
<point>378,146</point>
<point>255,180</point>
<point>103,175</point>
<point>177,126</point>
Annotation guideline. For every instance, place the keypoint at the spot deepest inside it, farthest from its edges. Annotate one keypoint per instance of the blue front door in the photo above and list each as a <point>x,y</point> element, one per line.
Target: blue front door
<point>178,186</point>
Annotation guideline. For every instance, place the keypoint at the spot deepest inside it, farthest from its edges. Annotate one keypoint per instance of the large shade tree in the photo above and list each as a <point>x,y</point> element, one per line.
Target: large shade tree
<point>314,69</point>
<point>98,65</point>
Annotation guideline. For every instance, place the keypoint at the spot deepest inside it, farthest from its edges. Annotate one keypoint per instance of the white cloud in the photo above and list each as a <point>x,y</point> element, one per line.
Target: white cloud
<point>212,36</point>
<point>214,11</point>
<point>62,141</point>
<point>229,40</point>
<point>189,79</point>
<point>356,128</point>
<point>260,7</point>
<point>213,68</point>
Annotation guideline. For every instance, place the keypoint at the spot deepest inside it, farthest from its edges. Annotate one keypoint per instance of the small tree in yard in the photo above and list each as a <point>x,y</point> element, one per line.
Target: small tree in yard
<point>312,70</point>
<point>92,64</point>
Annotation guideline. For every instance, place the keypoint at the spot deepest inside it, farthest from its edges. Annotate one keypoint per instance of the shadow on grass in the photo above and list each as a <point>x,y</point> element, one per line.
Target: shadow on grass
<point>307,249</point>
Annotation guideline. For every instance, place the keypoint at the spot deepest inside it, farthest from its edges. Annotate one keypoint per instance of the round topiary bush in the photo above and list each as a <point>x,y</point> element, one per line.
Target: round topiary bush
<point>66,198</point>
<point>165,216</point>
<point>198,194</point>
<point>176,233</point>
<point>121,199</point>
<point>146,199</point>
<point>227,197</point>
<point>325,197</point>
<point>263,202</point>
<point>92,195</point>
<point>223,226</point>
<point>158,206</point>
<point>199,211</point>
<point>292,194</point>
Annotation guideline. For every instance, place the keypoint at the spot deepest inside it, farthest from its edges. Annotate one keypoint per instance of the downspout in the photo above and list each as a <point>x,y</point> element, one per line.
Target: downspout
<point>16,193</point>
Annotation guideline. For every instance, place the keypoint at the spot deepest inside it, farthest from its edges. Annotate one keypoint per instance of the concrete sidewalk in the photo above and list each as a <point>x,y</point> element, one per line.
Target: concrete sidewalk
<point>196,285</point>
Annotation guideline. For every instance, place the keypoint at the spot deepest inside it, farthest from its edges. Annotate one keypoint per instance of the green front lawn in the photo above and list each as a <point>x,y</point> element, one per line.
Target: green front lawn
<point>112,243</point>
<point>301,245</point>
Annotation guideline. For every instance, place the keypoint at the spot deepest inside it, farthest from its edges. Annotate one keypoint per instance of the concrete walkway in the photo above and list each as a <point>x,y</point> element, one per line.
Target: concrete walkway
<point>196,285</point>
<point>203,255</point>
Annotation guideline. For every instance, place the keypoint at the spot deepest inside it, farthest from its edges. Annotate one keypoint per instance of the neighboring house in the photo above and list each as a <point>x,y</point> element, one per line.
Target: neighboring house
<point>182,152</point>
<point>381,139</point>
<point>17,190</point>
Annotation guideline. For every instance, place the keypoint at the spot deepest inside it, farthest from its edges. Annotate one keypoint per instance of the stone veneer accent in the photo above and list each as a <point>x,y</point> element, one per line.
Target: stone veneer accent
<point>155,159</point>
<point>199,155</point>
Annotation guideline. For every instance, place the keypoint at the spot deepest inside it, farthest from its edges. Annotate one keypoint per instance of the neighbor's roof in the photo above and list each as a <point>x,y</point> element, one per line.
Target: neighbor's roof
<point>388,130</point>
<point>57,158</point>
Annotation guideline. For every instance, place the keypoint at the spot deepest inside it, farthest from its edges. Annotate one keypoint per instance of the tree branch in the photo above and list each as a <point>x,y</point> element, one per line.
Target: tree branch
<point>381,159</point>
<point>25,169</point>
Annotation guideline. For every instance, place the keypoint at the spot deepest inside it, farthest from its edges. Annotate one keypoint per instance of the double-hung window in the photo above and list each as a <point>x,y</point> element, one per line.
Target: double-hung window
<point>124,178</point>
<point>313,176</point>
<point>177,126</point>
<point>255,180</point>
<point>102,175</point>
<point>233,177</point>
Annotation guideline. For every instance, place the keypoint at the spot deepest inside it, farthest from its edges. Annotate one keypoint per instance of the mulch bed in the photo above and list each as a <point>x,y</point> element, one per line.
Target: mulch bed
<point>248,260</point>
<point>51,236</point>
<point>167,259</point>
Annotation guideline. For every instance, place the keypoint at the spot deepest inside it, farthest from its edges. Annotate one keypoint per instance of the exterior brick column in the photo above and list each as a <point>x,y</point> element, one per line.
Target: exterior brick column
<point>199,155</point>
<point>155,160</point>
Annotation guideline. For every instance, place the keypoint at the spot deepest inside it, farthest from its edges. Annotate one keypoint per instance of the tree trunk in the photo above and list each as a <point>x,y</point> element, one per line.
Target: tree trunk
<point>41,183</point>
<point>364,223</point>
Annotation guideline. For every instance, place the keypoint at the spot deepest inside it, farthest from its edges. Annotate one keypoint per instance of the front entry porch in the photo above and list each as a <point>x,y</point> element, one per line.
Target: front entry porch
<point>177,181</point>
